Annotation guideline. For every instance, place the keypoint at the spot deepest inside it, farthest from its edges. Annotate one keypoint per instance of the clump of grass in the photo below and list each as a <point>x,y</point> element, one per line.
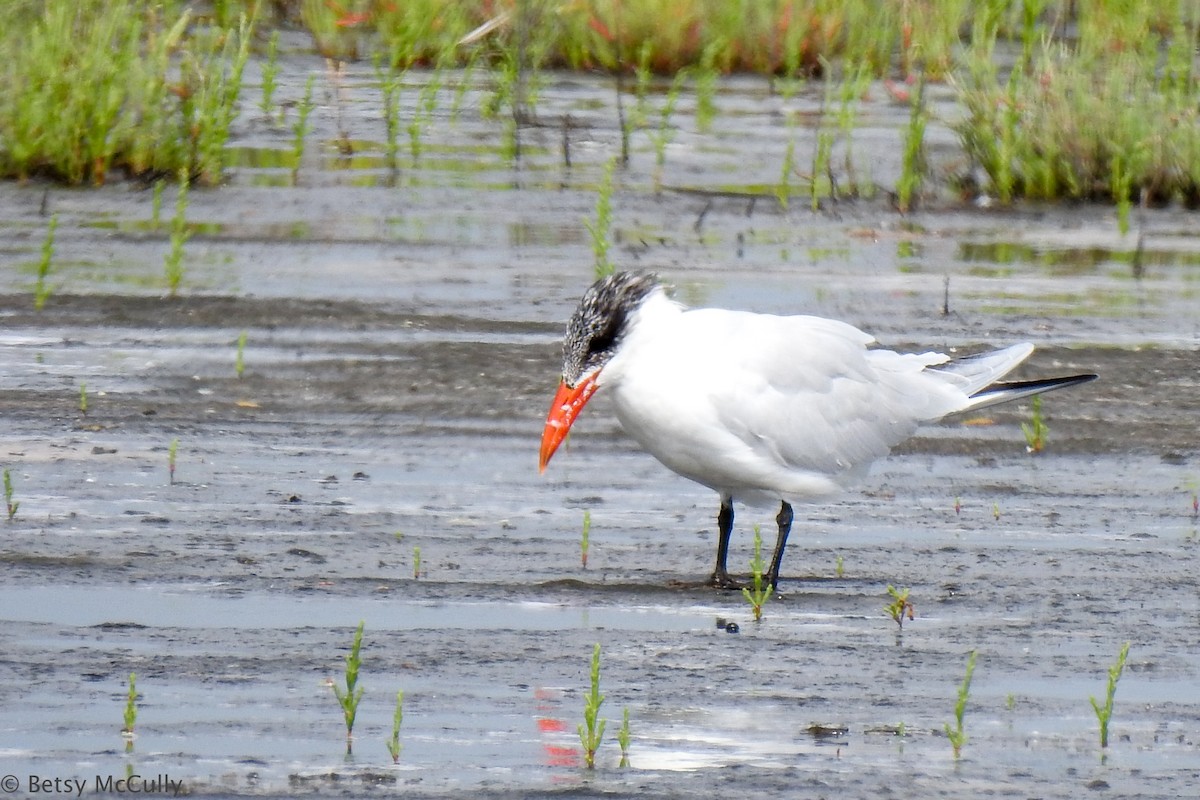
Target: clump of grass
<point>755,37</point>
<point>1035,430</point>
<point>929,35</point>
<point>172,451</point>
<point>1104,712</point>
<point>393,743</point>
<point>94,87</point>
<point>41,291</point>
<point>623,737</point>
<point>83,398</point>
<point>421,31</point>
<point>335,27</point>
<point>601,229</point>
<point>585,535</point>
<point>349,697</point>
<point>591,730</point>
<point>956,735</point>
<point>760,594</point>
<point>9,503</point>
<point>1109,115</point>
<point>173,261</point>
<point>239,363</point>
<point>913,166</point>
<point>900,607</point>
<point>130,713</point>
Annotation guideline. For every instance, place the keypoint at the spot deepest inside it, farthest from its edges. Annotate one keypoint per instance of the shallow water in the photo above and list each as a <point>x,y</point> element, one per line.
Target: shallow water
<point>401,350</point>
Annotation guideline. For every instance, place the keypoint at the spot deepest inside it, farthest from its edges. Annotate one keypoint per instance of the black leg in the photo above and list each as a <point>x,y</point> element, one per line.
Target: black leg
<point>784,520</point>
<point>720,577</point>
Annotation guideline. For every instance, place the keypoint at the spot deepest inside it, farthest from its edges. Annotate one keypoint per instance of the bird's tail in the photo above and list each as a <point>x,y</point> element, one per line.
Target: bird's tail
<point>978,377</point>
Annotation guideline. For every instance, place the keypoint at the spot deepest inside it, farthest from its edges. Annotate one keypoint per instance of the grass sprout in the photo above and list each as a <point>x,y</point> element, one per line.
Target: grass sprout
<point>601,229</point>
<point>784,190</point>
<point>156,203</point>
<point>393,743</point>
<point>706,87</point>
<point>239,363</point>
<point>900,607</point>
<point>913,165</point>
<point>1104,712</point>
<point>301,128</point>
<point>349,697</point>
<point>270,71</point>
<point>760,594</point>
<point>1035,430</point>
<point>591,730</point>
<point>10,504</point>
<point>179,236</point>
<point>585,535</point>
<point>956,735</point>
<point>41,290</point>
<point>665,131</point>
<point>130,716</point>
<point>391,83</point>
<point>623,737</point>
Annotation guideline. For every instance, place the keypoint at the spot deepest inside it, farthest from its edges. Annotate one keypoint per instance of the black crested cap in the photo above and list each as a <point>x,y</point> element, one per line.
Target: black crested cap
<point>599,322</point>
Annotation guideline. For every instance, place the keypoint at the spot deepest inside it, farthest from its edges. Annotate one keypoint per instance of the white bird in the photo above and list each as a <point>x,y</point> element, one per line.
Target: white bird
<point>758,407</point>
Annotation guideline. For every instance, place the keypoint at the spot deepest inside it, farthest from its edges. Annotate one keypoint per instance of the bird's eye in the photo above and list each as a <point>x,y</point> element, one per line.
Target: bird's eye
<point>601,342</point>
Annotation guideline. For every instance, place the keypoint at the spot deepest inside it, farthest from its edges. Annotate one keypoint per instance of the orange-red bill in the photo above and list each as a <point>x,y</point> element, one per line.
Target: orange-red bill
<point>564,410</point>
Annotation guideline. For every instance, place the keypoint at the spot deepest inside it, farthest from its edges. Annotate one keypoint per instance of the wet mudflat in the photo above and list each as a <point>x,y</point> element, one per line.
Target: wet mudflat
<point>401,350</point>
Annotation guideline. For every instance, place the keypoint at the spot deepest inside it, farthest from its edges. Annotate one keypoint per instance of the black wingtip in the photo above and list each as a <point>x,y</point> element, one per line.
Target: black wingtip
<point>1006,391</point>
<point>1037,386</point>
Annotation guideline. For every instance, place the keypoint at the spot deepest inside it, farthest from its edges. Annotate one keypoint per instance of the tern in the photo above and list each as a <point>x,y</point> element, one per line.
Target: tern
<point>760,408</point>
